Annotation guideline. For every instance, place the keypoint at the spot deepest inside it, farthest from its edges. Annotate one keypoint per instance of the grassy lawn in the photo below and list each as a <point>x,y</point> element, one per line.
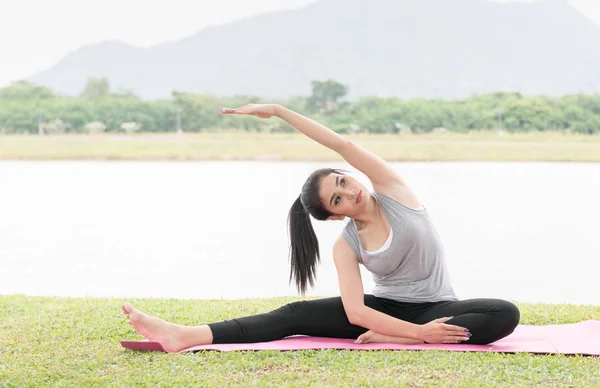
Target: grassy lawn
<point>75,342</point>
<point>474,146</point>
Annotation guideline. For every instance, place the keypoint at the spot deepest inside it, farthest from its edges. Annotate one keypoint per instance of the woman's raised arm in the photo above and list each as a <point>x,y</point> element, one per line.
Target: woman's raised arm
<point>374,167</point>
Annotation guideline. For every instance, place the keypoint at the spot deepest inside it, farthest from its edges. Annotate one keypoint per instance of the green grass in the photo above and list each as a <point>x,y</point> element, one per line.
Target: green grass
<point>75,342</point>
<point>472,146</point>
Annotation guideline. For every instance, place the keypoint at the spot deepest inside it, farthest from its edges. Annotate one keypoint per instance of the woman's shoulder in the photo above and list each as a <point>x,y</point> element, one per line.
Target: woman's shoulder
<point>350,226</point>
<point>350,235</point>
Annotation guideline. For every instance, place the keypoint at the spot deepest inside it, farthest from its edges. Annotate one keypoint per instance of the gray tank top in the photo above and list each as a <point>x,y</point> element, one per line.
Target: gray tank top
<point>410,267</point>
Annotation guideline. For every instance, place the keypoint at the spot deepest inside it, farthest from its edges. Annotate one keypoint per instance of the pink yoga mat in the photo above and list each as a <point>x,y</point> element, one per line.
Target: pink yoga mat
<point>577,338</point>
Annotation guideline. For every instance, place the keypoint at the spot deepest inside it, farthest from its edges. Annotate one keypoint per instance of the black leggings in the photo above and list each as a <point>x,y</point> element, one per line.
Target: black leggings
<point>488,320</point>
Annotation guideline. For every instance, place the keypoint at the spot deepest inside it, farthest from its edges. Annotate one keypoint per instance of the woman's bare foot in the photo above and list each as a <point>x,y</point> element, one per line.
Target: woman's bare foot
<point>172,337</point>
<point>374,337</point>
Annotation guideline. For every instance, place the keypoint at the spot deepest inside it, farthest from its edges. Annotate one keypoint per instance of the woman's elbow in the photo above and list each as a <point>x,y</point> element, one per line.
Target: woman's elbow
<point>355,315</point>
<point>346,147</point>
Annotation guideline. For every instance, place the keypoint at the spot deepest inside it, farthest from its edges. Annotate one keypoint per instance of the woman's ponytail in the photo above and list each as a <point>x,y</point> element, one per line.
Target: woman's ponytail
<point>304,247</point>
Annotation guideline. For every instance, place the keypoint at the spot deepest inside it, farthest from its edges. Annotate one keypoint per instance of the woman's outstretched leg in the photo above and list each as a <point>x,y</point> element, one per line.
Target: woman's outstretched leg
<point>172,337</point>
<point>320,317</point>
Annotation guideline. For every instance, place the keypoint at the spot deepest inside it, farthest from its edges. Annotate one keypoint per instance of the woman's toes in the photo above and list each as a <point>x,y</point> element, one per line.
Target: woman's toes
<point>126,307</point>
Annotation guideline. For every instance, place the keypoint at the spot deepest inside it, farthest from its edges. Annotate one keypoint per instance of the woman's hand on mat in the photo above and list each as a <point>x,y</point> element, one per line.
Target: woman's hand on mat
<point>260,110</point>
<point>374,337</point>
<point>439,332</point>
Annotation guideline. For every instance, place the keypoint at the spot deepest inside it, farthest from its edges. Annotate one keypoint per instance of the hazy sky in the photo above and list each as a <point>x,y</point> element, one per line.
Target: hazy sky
<point>35,34</point>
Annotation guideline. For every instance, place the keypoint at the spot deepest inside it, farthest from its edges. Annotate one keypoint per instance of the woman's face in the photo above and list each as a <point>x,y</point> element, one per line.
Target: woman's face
<point>343,195</point>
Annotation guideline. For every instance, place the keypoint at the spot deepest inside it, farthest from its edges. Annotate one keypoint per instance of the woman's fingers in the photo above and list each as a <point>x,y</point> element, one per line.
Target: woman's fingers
<point>458,336</point>
<point>456,340</point>
<point>246,109</point>
<point>239,111</point>
<point>455,328</point>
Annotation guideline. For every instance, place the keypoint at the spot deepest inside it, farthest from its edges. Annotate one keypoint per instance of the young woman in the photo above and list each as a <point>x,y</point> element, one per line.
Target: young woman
<point>389,232</point>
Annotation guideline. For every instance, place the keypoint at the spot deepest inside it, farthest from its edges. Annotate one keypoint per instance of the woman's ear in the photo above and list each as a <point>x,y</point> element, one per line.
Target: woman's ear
<point>336,217</point>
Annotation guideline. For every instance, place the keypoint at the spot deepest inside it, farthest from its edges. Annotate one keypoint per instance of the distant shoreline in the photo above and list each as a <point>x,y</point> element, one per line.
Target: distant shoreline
<point>243,146</point>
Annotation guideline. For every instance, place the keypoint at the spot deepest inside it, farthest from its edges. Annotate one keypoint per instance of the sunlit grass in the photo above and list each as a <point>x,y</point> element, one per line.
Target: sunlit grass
<point>75,342</point>
<point>231,145</point>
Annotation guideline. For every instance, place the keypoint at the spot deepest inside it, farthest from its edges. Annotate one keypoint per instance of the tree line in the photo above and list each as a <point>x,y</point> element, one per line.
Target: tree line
<point>29,108</point>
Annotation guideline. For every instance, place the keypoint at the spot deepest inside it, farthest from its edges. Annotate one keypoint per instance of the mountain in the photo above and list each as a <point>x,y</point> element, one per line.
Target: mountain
<point>403,48</point>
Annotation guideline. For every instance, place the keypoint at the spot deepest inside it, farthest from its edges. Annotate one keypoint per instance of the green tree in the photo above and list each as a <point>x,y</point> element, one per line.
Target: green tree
<point>96,88</point>
<point>25,90</point>
<point>326,97</point>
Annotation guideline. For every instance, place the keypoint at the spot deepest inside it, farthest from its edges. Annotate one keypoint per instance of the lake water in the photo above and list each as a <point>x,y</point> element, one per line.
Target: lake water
<point>521,231</point>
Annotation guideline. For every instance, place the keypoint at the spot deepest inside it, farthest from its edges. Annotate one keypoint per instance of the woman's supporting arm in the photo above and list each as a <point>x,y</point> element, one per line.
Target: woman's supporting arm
<point>352,293</point>
<point>359,314</point>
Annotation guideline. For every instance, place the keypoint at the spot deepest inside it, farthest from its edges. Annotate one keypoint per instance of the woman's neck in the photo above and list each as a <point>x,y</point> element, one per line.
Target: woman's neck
<point>371,215</point>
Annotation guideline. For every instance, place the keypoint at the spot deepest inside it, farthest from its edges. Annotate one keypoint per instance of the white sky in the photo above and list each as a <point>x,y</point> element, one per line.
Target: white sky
<point>36,34</point>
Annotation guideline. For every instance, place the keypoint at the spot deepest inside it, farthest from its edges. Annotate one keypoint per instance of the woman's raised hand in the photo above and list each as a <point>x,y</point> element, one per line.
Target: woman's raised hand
<point>259,110</point>
<point>438,332</point>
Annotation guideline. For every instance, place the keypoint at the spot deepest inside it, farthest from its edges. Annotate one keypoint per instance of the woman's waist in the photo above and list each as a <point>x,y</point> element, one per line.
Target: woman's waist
<point>416,291</point>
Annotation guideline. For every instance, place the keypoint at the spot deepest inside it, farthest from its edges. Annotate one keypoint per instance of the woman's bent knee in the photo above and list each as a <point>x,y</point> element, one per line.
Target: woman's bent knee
<point>503,321</point>
<point>510,315</point>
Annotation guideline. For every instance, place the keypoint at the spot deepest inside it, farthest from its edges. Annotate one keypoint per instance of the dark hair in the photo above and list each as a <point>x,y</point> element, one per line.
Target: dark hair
<point>304,246</point>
